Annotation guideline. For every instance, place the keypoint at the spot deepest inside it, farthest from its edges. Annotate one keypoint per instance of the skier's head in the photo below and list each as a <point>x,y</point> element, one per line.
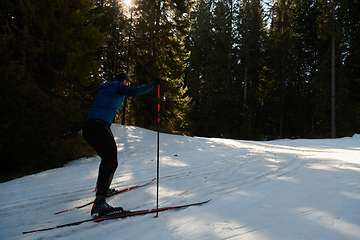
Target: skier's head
<point>122,76</point>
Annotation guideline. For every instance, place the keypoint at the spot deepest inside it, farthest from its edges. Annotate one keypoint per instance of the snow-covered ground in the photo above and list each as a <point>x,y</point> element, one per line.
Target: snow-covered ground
<point>284,189</point>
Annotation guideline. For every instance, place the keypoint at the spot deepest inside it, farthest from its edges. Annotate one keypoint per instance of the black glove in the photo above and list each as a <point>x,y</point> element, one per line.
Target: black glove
<point>157,81</point>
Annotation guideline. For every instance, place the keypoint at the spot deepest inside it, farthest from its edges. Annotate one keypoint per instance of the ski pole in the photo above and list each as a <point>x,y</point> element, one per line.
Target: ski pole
<point>158,158</point>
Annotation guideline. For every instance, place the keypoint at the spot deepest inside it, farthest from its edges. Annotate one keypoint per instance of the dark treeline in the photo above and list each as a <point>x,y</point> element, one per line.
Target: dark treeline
<point>55,55</point>
<point>257,74</point>
<point>47,51</point>
<point>236,69</point>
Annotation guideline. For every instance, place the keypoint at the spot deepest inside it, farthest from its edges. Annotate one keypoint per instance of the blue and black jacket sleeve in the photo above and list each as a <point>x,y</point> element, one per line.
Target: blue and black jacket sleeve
<point>134,91</point>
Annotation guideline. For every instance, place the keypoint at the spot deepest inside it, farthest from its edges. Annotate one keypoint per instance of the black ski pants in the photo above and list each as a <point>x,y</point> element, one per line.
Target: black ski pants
<point>98,134</point>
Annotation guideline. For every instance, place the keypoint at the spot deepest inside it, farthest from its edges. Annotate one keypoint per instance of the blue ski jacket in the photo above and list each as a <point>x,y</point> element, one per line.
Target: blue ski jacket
<point>110,97</point>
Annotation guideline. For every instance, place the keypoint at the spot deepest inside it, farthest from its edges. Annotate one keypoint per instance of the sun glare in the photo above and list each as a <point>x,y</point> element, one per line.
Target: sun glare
<point>127,2</point>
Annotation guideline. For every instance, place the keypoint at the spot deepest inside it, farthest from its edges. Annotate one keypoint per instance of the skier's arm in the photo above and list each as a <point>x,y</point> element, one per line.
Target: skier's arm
<point>134,91</point>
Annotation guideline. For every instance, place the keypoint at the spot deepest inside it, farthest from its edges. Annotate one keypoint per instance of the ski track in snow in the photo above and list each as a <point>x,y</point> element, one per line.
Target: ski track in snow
<point>284,189</point>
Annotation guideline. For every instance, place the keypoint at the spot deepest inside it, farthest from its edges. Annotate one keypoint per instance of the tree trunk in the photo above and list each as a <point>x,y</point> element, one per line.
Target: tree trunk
<point>333,125</point>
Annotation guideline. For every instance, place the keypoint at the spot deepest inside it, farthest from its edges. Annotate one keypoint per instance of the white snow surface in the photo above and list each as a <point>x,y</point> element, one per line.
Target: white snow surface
<point>283,189</point>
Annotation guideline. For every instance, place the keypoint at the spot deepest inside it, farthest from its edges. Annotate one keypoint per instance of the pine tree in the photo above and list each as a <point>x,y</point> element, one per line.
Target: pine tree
<point>49,48</point>
<point>157,33</point>
<point>252,36</point>
<point>199,44</point>
<point>347,67</point>
<point>114,25</point>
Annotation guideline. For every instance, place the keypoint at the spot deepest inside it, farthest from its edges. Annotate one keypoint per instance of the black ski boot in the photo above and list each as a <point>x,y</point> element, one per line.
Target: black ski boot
<point>102,209</point>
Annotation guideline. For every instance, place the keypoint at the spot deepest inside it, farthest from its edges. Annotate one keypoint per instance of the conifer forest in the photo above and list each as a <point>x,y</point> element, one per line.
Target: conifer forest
<point>246,69</point>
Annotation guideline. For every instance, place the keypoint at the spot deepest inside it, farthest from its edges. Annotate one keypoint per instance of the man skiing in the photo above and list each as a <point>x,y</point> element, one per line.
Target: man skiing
<point>97,133</point>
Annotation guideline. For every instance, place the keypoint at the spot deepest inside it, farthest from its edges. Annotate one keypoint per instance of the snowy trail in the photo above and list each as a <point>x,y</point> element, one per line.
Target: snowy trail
<point>284,189</point>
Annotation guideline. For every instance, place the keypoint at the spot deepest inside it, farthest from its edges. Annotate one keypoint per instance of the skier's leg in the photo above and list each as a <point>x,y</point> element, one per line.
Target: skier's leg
<point>109,163</point>
<point>100,137</point>
<point>98,134</point>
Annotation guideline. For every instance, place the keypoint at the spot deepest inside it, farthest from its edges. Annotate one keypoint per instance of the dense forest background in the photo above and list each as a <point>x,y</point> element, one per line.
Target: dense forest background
<point>246,69</point>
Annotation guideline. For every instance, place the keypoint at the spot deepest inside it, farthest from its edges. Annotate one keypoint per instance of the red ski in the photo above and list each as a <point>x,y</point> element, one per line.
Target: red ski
<point>116,192</point>
<point>125,214</point>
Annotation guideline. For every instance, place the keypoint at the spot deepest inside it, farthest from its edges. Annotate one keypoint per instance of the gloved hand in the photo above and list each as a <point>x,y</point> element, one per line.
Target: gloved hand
<point>157,81</point>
